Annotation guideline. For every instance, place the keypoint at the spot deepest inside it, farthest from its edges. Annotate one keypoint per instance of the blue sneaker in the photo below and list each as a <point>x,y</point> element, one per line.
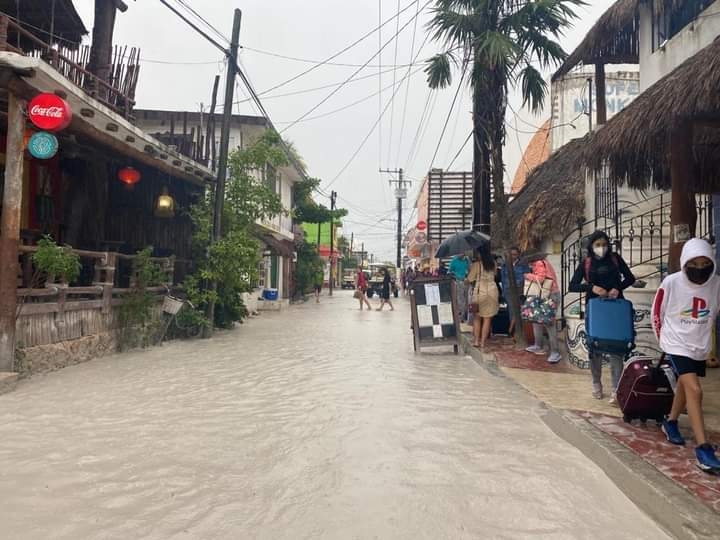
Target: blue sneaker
<point>706,459</point>
<point>672,432</point>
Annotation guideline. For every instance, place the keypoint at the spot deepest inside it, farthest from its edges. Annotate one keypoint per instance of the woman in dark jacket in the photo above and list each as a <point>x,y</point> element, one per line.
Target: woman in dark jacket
<point>385,293</point>
<point>603,274</point>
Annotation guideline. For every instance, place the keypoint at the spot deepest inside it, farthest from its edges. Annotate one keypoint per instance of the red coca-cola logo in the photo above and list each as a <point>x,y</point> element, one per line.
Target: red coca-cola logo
<point>49,112</point>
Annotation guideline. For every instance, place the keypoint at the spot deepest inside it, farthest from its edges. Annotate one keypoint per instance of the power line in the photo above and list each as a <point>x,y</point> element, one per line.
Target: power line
<point>420,125</point>
<point>335,91</point>
<point>195,27</point>
<point>320,62</point>
<point>447,119</point>
<point>459,151</point>
<point>392,107</point>
<point>374,126</point>
<point>353,104</point>
<point>324,62</point>
<point>205,21</point>
<point>407,87</point>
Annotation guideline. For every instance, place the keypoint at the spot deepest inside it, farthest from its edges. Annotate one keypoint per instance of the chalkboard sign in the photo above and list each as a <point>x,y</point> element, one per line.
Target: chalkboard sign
<point>435,319</point>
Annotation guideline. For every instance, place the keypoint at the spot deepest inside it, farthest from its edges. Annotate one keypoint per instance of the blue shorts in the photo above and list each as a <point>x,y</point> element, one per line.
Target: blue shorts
<point>682,365</point>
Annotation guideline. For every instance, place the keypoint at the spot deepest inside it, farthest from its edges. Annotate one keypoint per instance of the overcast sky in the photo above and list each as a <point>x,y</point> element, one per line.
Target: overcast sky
<point>179,67</point>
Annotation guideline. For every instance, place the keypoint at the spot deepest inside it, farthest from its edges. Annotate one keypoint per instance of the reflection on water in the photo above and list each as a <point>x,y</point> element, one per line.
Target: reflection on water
<point>318,422</point>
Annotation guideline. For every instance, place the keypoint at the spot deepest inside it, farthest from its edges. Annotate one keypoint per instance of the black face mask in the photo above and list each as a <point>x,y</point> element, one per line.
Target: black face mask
<point>699,275</point>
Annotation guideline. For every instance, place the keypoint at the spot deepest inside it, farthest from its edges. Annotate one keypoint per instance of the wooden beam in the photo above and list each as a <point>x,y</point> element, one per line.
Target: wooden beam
<point>10,230</point>
<point>600,94</point>
<point>683,212</point>
<point>120,5</point>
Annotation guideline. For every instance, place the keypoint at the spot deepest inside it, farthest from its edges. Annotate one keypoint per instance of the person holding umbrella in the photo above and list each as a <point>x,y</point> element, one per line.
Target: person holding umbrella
<point>485,298</point>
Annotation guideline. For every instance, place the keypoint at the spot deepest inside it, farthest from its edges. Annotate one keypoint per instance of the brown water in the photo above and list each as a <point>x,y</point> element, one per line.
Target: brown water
<point>318,422</point>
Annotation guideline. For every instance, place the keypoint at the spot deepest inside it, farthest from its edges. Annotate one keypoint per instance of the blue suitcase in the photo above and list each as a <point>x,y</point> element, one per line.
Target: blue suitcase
<point>610,326</point>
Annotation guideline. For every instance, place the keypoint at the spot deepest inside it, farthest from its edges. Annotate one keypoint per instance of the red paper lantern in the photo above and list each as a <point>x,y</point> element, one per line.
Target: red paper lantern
<point>49,112</point>
<point>129,176</point>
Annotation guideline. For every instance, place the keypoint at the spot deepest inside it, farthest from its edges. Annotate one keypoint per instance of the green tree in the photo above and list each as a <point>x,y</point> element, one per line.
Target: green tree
<point>232,262</point>
<point>495,44</point>
<point>306,210</point>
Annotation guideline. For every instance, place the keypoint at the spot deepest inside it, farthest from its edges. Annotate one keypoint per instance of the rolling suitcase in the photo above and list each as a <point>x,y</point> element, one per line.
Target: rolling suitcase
<point>610,326</point>
<point>501,322</point>
<point>644,391</point>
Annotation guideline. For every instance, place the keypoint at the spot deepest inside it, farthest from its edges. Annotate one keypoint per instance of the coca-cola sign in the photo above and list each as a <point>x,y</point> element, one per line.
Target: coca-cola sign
<point>49,112</point>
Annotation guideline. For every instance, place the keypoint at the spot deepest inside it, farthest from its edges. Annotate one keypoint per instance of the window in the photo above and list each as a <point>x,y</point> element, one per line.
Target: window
<point>271,178</point>
<point>669,17</point>
<point>606,201</point>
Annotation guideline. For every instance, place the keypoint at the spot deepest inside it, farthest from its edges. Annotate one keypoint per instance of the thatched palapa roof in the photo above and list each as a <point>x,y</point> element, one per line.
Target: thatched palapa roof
<point>635,142</point>
<point>34,16</point>
<point>613,39</point>
<point>553,199</point>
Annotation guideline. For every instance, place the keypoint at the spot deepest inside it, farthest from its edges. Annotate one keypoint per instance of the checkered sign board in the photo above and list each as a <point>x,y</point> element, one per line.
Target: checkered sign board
<point>434,321</point>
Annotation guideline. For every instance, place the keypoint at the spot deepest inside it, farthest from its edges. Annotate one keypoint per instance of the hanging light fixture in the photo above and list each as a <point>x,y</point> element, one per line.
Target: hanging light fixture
<point>165,205</point>
<point>129,176</point>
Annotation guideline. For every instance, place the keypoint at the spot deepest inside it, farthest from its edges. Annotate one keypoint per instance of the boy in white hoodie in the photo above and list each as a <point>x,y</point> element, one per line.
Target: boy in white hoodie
<point>684,313</point>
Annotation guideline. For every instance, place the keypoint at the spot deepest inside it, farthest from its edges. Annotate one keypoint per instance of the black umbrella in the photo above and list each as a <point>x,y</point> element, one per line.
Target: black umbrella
<point>461,242</point>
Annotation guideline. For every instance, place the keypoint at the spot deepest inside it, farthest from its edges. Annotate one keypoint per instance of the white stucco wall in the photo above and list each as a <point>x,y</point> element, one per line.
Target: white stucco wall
<point>570,99</point>
<point>695,36</point>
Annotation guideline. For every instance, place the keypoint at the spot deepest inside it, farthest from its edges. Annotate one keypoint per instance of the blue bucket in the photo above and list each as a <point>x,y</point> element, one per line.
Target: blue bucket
<point>270,294</point>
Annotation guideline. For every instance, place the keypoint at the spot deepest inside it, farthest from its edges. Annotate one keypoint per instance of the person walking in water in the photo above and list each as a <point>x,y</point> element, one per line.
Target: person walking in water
<point>319,278</point>
<point>385,293</point>
<point>361,286</point>
<point>485,298</point>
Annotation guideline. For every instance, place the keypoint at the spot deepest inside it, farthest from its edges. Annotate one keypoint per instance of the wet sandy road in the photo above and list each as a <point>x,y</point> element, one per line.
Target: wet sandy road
<point>315,423</point>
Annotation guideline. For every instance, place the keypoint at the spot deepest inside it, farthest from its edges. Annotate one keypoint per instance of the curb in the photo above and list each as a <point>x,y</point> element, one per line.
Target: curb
<point>672,507</point>
<point>8,382</point>
<point>668,504</point>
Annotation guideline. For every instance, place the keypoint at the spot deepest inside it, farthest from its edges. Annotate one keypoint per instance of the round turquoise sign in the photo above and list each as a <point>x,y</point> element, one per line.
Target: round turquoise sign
<point>43,145</point>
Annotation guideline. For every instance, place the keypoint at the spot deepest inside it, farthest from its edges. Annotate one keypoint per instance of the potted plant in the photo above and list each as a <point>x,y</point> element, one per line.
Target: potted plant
<point>58,264</point>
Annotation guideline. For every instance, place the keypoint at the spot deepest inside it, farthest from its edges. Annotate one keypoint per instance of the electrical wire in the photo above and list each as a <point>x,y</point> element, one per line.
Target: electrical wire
<point>372,129</point>
<point>190,9</point>
<point>447,119</point>
<point>353,104</point>
<point>407,87</point>
<point>195,27</point>
<point>392,107</point>
<point>462,147</point>
<point>335,91</point>
<point>420,125</point>
<point>321,62</point>
<point>330,58</point>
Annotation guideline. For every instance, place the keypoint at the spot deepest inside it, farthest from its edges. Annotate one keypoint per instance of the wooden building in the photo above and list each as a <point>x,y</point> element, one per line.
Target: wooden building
<point>77,196</point>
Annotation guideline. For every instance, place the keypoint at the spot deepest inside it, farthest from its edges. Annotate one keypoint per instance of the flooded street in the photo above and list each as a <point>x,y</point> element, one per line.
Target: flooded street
<point>318,422</point>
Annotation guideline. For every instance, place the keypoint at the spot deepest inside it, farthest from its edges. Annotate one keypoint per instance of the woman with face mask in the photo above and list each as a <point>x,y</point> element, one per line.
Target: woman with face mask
<point>602,274</point>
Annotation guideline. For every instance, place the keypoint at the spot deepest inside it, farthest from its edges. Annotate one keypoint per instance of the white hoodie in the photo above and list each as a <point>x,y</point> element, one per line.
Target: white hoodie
<point>683,312</point>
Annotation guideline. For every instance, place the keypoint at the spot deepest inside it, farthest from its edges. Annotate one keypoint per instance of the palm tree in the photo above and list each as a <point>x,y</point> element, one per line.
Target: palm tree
<point>498,41</point>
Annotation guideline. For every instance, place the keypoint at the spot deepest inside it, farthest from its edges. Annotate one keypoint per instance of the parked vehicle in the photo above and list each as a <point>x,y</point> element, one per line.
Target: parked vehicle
<point>349,279</point>
<point>376,279</point>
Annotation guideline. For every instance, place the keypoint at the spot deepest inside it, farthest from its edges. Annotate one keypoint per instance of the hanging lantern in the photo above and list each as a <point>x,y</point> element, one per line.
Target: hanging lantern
<point>165,205</point>
<point>129,176</point>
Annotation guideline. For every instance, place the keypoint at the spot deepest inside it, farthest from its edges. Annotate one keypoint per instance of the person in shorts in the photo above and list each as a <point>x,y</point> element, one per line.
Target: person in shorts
<point>684,313</point>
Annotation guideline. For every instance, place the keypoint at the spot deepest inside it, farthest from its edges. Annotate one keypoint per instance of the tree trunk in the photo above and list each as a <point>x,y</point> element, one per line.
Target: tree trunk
<point>481,162</point>
<point>102,40</point>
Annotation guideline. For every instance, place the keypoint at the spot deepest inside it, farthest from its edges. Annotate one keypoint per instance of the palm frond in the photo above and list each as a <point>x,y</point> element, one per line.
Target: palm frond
<point>533,88</point>
<point>439,70</point>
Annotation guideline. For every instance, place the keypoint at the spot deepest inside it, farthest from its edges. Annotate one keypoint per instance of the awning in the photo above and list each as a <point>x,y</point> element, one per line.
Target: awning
<point>613,39</point>
<point>635,143</point>
<point>283,248</point>
<point>28,76</point>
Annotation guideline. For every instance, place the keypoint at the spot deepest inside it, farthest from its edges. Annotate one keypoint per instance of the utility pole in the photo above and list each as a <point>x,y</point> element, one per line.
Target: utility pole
<point>400,194</point>
<point>333,197</point>
<point>232,54</point>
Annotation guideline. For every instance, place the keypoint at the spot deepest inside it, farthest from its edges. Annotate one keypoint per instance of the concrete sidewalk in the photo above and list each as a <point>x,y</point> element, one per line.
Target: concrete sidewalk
<point>659,477</point>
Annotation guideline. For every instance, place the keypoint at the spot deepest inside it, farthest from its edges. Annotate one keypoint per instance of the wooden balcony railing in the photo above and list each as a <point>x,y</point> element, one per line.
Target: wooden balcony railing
<point>118,93</point>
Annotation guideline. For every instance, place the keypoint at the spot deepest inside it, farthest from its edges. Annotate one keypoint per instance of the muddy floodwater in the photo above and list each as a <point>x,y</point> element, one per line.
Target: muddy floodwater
<point>317,422</point>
